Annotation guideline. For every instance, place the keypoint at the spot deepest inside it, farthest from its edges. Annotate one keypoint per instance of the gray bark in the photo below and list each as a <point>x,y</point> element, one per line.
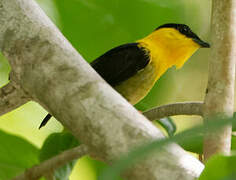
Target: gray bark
<point>11,98</point>
<point>219,101</point>
<point>48,69</point>
<point>180,108</point>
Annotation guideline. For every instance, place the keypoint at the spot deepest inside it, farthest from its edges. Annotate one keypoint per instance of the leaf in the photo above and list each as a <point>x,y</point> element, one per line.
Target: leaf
<point>196,145</point>
<point>16,155</point>
<point>220,167</point>
<point>168,124</point>
<point>54,145</point>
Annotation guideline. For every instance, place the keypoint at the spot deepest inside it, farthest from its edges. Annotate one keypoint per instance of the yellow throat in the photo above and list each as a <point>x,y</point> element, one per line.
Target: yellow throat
<point>168,47</point>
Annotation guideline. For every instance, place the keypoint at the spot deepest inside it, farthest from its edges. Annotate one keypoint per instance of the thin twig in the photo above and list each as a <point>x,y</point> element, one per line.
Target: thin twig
<point>52,164</point>
<point>181,108</point>
<point>11,98</point>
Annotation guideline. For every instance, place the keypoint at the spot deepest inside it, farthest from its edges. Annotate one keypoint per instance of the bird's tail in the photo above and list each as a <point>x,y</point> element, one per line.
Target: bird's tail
<point>45,120</point>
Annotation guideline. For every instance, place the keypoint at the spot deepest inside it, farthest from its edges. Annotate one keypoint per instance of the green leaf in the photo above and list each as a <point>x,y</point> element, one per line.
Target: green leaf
<point>54,145</point>
<point>220,167</point>
<point>196,145</point>
<point>168,124</point>
<point>16,154</point>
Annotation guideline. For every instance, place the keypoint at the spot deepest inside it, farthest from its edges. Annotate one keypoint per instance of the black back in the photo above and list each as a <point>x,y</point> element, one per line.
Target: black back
<point>121,63</point>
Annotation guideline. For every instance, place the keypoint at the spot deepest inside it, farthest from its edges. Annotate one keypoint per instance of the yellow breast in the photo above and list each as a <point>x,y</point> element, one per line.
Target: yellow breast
<point>136,88</point>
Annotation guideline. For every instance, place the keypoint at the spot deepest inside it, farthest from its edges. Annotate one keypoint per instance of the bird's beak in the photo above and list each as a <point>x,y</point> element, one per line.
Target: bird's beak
<point>201,43</point>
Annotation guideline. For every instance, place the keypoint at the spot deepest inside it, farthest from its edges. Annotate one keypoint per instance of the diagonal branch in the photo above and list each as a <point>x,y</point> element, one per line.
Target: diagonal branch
<point>181,108</point>
<point>52,164</point>
<point>11,98</point>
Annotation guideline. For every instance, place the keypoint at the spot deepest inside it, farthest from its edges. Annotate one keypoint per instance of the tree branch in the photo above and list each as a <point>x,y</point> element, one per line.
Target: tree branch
<point>181,108</point>
<point>219,100</point>
<point>48,68</point>
<point>11,98</point>
<point>52,164</point>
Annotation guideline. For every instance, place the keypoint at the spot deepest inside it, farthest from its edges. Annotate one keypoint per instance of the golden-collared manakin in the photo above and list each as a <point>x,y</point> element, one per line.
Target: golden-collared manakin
<point>133,68</point>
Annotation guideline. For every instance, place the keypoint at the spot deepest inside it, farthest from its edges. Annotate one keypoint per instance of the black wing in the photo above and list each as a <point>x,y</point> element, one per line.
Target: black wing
<point>121,63</point>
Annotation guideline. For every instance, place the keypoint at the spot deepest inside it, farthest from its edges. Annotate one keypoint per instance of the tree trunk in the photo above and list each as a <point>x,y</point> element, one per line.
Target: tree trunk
<point>219,100</point>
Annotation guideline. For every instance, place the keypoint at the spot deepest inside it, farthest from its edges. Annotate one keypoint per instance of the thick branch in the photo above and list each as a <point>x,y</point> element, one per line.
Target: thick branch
<point>48,68</point>
<point>11,98</point>
<point>219,100</point>
<point>52,164</point>
<point>181,108</point>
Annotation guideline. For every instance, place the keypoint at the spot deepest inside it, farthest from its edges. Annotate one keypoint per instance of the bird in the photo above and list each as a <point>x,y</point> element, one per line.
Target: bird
<point>132,69</point>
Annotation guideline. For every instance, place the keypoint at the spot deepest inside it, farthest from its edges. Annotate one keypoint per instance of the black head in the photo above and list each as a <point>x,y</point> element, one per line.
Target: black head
<point>185,30</point>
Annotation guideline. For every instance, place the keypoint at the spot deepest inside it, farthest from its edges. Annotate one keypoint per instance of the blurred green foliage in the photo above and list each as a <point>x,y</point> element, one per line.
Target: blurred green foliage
<point>220,167</point>
<point>196,145</point>
<point>16,154</point>
<point>95,26</point>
